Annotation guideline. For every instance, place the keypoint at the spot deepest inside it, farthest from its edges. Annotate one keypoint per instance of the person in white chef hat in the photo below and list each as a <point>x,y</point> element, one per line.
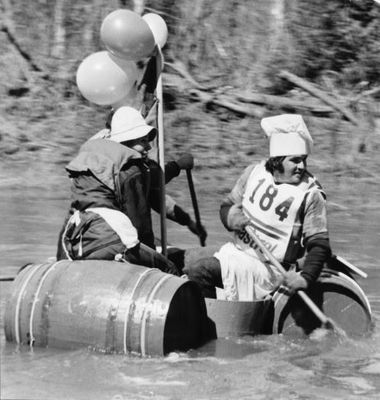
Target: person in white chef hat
<point>286,206</point>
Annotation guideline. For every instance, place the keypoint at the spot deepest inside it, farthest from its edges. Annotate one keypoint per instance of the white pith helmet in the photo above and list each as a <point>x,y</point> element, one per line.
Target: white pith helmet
<point>128,124</point>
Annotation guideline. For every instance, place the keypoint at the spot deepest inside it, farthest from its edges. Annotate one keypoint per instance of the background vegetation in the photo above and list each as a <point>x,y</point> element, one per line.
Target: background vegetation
<point>219,53</point>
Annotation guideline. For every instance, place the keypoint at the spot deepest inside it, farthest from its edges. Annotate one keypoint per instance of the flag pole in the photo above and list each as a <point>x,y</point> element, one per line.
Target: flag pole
<point>161,153</point>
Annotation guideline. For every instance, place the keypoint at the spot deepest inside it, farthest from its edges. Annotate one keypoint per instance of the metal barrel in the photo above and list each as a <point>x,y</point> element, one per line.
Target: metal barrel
<point>106,306</point>
<point>340,298</point>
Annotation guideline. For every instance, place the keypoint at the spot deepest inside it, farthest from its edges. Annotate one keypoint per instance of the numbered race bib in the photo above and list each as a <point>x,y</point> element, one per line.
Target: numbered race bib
<point>272,209</point>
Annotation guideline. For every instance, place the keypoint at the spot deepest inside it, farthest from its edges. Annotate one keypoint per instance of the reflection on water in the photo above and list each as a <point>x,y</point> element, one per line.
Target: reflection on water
<point>263,367</point>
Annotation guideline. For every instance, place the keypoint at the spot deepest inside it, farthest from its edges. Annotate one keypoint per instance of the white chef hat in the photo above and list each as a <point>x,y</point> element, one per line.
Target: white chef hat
<point>288,135</point>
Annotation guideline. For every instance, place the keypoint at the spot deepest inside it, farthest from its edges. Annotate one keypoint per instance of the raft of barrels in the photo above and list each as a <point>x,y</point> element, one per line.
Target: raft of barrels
<point>118,307</point>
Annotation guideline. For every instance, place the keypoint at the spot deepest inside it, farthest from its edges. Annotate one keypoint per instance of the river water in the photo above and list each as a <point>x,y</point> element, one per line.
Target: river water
<point>263,367</point>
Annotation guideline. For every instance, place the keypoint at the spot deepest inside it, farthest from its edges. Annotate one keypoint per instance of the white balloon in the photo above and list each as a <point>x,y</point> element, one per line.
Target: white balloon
<point>131,99</point>
<point>105,79</point>
<point>126,35</point>
<point>158,27</point>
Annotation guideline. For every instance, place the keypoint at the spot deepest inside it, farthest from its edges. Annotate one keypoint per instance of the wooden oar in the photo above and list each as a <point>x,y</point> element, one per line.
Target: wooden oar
<point>326,322</point>
<point>195,203</point>
<point>9,273</point>
<point>6,278</point>
<point>351,267</point>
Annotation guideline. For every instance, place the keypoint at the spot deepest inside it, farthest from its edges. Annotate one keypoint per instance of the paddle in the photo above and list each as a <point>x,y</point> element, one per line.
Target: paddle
<point>326,322</point>
<point>351,267</point>
<point>195,204</point>
<point>9,273</point>
<point>5,278</point>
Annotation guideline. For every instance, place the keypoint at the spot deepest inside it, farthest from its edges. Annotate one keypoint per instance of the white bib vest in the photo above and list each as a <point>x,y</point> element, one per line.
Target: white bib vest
<point>272,209</point>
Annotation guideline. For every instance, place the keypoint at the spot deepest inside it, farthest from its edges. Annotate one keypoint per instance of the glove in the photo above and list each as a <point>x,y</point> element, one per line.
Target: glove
<point>186,161</point>
<point>294,281</point>
<point>198,230</point>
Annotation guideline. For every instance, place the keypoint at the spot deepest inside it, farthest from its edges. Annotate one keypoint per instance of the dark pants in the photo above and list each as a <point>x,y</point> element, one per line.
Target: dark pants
<point>206,272</point>
<point>94,239</point>
<point>146,256</point>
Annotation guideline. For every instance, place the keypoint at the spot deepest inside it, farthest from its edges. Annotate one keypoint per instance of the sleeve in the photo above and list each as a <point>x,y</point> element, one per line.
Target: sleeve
<point>134,203</point>
<point>315,215</point>
<point>175,213</point>
<point>231,211</point>
<point>172,170</point>
<point>315,236</point>
<point>155,197</point>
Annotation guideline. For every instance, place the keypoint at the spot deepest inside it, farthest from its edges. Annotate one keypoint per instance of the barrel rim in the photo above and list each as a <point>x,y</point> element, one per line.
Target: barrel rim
<point>281,298</point>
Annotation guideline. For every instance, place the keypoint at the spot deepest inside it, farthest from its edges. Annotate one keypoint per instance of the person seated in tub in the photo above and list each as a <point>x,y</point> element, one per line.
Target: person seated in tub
<point>110,215</point>
<point>286,206</point>
<point>174,211</point>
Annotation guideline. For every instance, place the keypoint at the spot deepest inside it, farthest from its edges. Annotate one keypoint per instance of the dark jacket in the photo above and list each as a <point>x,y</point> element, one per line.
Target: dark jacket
<point>108,174</point>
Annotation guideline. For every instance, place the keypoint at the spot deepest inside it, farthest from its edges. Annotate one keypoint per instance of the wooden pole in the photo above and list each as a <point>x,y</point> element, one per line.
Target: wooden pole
<point>161,152</point>
<point>195,203</point>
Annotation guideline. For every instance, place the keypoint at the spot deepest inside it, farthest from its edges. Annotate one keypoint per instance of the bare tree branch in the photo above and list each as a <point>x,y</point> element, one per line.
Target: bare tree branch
<point>308,87</point>
<point>58,49</point>
<point>180,68</point>
<point>8,28</point>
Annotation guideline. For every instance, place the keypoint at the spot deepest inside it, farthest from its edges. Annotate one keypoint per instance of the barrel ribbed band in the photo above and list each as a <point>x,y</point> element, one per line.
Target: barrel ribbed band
<point>34,268</point>
<point>130,302</point>
<point>146,310</point>
<point>36,299</point>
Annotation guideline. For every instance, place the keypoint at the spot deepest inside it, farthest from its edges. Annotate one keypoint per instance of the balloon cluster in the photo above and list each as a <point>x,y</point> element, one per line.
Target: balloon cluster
<point>109,77</point>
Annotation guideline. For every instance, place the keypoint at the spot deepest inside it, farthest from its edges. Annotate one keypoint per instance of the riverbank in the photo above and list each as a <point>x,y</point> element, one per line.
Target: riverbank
<point>35,147</point>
